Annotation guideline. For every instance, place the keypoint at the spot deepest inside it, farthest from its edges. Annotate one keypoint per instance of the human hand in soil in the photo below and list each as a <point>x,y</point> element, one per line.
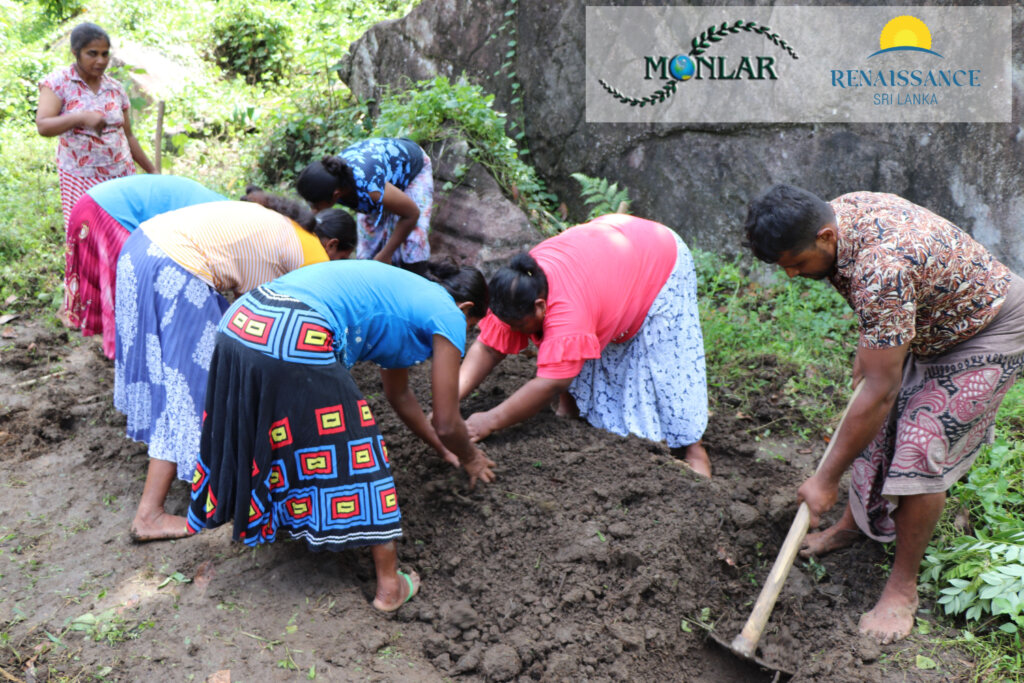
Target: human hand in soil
<point>820,495</point>
<point>449,457</point>
<point>479,467</point>
<point>479,426</point>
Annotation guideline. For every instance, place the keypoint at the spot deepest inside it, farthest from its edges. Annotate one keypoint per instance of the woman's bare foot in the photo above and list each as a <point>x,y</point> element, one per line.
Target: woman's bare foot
<point>158,527</point>
<point>393,593</point>
<point>567,406</point>
<point>891,619</point>
<point>696,458</point>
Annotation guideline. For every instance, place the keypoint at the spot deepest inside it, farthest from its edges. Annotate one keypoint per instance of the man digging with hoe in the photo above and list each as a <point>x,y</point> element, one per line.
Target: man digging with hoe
<point>941,342</point>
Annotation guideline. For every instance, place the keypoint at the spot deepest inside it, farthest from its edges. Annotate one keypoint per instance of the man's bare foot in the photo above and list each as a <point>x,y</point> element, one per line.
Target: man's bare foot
<point>696,458</point>
<point>392,594</point>
<point>159,527</point>
<point>891,619</point>
<point>833,538</point>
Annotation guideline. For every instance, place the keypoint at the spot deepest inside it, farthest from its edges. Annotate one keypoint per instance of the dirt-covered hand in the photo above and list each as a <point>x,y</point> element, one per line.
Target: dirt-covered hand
<point>820,495</point>
<point>449,457</point>
<point>479,427</point>
<point>479,468</point>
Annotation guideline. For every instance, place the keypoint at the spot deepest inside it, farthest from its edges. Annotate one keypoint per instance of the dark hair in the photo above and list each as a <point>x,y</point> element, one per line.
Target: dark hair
<point>336,224</point>
<point>320,179</point>
<point>464,283</point>
<point>85,33</point>
<point>516,286</point>
<point>284,206</point>
<point>785,218</point>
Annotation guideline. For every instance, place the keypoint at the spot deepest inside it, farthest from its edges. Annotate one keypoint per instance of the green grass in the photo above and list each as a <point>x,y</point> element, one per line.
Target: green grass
<point>765,333</point>
<point>31,224</point>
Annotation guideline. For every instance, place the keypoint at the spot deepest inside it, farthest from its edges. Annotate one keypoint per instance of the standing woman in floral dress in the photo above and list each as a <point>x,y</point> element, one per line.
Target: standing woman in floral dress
<point>88,110</point>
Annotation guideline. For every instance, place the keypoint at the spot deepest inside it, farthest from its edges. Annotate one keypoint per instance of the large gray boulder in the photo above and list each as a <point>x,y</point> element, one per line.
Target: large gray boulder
<point>472,221</point>
<point>698,178</point>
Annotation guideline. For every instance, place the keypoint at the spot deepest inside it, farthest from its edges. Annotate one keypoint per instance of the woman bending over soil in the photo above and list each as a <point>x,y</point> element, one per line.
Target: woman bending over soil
<point>289,445</point>
<point>612,308</point>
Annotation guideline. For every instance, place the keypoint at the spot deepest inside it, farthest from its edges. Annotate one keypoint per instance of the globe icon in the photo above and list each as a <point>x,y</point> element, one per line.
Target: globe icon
<point>681,68</point>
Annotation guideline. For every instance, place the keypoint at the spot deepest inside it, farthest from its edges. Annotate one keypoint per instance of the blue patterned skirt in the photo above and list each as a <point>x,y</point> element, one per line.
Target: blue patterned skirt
<point>289,446</point>
<point>166,321</point>
<point>654,385</point>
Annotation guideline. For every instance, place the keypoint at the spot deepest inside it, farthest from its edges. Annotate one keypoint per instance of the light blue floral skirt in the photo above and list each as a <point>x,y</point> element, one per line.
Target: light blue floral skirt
<point>166,320</point>
<point>655,384</point>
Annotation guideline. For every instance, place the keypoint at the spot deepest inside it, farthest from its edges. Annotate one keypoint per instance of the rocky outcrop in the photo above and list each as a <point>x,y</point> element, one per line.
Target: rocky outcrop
<point>473,222</point>
<point>698,178</point>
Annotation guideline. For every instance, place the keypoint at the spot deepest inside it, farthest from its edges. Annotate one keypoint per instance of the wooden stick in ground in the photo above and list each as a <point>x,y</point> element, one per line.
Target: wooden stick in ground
<point>159,138</point>
<point>746,642</point>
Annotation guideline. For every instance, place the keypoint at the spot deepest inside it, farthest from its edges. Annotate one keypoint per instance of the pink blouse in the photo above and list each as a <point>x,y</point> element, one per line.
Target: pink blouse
<point>603,277</point>
<point>86,153</point>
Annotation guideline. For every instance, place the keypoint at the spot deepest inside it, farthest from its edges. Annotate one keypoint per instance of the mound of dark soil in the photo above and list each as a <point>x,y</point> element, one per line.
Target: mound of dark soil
<point>592,557</point>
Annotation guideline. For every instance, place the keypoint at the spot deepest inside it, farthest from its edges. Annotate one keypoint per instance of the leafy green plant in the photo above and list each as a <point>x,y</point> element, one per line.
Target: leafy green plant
<point>601,196</point>
<point>978,575</point>
<point>108,626</point>
<point>251,43</point>
<point>983,576</point>
<point>306,128</point>
<point>59,10</point>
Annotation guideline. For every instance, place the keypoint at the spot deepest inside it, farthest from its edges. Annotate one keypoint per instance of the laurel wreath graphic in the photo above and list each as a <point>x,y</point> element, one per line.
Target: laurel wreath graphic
<point>699,45</point>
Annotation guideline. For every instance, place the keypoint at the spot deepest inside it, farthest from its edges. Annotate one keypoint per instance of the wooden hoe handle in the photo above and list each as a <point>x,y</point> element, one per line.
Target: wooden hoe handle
<point>746,642</point>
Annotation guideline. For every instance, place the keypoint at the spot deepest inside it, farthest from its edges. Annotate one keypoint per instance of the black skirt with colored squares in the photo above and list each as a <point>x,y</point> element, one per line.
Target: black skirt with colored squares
<point>289,446</point>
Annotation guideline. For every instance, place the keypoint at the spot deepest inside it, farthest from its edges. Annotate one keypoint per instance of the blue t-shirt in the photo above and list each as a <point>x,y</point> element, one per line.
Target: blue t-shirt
<point>378,161</point>
<point>377,312</point>
<point>135,199</point>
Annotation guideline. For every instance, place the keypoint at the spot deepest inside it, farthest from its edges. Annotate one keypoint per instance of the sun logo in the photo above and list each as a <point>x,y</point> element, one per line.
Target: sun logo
<point>905,33</point>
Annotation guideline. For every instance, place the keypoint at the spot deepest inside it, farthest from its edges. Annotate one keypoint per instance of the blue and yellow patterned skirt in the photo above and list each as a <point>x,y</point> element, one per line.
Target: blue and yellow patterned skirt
<point>289,446</point>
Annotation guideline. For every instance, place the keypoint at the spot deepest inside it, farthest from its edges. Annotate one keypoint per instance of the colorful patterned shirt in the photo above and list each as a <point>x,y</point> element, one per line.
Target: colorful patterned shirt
<point>84,152</point>
<point>233,246</point>
<point>375,162</point>
<point>912,276</point>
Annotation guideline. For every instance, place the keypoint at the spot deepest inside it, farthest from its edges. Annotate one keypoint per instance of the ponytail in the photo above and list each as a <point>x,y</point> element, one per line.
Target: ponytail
<point>320,179</point>
<point>282,205</point>
<point>516,287</point>
<point>336,224</point>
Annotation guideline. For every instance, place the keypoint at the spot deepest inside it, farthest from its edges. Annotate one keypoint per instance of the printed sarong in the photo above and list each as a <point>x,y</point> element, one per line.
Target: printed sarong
<point>72,187</point>
<point>94,241</point>
<point>289,445</point>
<point>943,415</point>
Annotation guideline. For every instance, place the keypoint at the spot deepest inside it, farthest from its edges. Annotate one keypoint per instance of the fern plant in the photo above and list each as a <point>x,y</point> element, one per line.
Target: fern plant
<point>601,196</point>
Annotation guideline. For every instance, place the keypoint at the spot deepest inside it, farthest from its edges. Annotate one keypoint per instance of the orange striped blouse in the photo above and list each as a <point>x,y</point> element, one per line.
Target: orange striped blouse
<point>233,246</point>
